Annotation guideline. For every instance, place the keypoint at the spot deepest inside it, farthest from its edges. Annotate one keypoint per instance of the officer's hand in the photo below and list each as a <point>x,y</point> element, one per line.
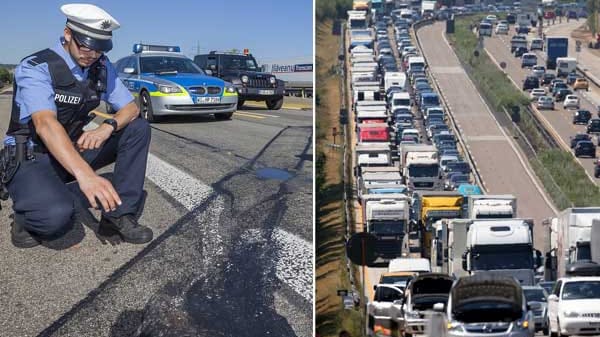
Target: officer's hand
<point>97,188</point>
<point>94,139</point>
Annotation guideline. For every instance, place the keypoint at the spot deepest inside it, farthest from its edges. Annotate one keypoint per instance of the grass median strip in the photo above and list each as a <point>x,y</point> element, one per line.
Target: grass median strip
<point>563,177</point>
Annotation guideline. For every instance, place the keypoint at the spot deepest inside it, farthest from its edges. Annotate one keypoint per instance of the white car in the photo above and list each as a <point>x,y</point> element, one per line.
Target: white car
<point>574,306</point>
<point>571,101</point>
<point>537,44</point>
<point>492,19</point>
<point>501,28</point>
<point>537,93</point>
<point>545,102</point>
<point>538,70</point>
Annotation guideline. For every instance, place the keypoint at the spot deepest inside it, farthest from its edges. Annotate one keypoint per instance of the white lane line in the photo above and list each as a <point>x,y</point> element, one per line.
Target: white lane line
<point>294,256</point>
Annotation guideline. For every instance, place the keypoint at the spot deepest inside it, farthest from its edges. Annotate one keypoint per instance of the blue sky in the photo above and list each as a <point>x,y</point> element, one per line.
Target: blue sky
<point>273,30</point>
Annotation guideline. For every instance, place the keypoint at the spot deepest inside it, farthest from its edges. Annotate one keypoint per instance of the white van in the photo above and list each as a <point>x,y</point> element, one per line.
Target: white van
<point>485,29</point>
<point>565,65</point>
<point>394,79</point>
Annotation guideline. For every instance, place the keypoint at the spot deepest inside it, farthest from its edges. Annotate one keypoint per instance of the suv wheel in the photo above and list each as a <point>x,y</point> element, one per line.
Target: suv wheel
<point>240,103</point>
<point>146,107</point>
<point>223,116</point>
<point>275,104</point>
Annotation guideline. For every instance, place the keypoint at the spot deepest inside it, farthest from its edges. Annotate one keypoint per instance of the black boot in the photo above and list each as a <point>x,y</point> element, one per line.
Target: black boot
<point>127,227</point>
<point>21,238</point>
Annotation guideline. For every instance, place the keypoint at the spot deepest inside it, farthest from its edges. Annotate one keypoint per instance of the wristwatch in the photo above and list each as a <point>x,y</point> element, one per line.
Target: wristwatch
<point>112,122</point>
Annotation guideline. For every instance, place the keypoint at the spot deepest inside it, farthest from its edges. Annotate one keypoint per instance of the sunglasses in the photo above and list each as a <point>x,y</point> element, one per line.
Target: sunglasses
<point>83,48</point>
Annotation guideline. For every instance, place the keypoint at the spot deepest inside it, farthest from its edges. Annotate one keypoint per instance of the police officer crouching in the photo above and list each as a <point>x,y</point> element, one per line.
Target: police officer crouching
<point>46,147</point>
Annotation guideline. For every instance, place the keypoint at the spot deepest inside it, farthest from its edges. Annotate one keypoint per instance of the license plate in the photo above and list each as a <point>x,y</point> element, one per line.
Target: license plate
<point>208,100</point>
<point>266,92</point>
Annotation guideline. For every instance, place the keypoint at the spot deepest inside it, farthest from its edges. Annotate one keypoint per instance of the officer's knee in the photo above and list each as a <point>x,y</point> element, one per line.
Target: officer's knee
<point>57,219</point>
<point>139,127</point>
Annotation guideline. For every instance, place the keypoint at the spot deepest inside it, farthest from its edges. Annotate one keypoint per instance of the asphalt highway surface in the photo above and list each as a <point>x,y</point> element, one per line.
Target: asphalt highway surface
<point>230,204</point>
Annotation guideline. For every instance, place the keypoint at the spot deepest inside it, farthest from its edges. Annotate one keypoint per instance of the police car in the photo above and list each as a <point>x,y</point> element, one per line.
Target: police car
<point>166,82</point>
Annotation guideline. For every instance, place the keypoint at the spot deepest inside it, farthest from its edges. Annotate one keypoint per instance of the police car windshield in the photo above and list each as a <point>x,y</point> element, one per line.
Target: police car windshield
<point>164,65</point>
<point>238,62</point>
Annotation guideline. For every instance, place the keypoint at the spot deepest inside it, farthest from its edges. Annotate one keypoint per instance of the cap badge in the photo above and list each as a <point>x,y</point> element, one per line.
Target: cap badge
<point>105,24</point>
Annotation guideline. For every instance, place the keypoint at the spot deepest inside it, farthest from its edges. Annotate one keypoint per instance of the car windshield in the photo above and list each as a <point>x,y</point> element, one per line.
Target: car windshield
<point>535,295</point>
<point>168,65</point>
<point>579,290</point>
<point>386,227</point>
<point>239,62</point>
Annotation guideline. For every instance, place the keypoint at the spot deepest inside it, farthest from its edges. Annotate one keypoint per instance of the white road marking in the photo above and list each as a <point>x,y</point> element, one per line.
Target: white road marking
<point>294,255</point>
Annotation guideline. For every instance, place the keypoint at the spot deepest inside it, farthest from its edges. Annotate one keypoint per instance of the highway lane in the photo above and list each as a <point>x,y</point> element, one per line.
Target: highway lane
<point>231,207</point>
<point>502,167</point>
<point>559,119</point>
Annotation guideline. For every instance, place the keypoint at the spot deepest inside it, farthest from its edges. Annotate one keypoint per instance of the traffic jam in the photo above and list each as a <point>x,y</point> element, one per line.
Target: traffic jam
<point>445,250</point>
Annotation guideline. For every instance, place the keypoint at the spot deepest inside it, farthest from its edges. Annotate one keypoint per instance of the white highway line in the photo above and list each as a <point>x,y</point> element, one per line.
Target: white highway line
<point>294,255</point>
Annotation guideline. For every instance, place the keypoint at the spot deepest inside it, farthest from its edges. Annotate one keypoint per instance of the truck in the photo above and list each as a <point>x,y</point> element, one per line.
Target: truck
<point>357,19</point>
<point>394,79</point>
<point>462,247</point>
<point>373,132</point>
<point>386,217</point>
<point>555,47</point>
<point>491,206</point>
<point>420,166</point>
<point>565,66</point>
<point>569,240</point>
<point>429,207</point>
<point>373,179</point>
<point>428,8</point>
<point>503,247</point>
<point>373,154</point>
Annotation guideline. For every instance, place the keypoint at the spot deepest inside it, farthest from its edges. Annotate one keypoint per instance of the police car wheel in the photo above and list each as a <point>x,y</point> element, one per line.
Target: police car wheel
<point>146,107</point>
<point>240,103</point>
<point>275,104</point>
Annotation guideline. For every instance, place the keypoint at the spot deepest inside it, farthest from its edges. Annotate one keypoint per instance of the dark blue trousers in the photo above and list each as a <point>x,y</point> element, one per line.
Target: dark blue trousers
<point>43,202</point>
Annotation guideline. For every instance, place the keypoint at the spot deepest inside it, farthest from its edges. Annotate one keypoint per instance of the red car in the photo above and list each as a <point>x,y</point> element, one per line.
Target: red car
<point>549,15</point>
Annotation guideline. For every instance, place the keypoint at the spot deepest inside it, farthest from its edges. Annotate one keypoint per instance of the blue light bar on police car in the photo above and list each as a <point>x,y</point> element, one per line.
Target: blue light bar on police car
<point>138,48</point>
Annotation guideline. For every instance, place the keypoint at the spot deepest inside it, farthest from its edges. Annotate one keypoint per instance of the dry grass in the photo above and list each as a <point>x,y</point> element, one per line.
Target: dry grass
<point>331,273</point>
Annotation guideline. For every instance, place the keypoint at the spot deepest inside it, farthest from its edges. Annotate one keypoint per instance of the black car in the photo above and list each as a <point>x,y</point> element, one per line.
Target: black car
<point>562,93</point>
<point>547,78</point>
<point>585,148</point>
<point>511,18</point>
<point>520,51</point>
<point>593,126</point>
<point>531,82</point>
<point>578,138</point>
<point>243,72</point>
<point>597,169</point>
<point>458,166</point>
<point>581,117</point>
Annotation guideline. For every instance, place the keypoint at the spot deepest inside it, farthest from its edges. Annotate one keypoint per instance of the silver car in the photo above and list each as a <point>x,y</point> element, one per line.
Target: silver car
<point>545,102</point>
<point>166,82</point>
<point>537,299</point>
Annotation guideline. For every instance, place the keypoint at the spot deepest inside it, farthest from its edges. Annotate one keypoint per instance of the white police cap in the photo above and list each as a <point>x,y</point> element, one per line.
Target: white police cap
<point>91,25</point>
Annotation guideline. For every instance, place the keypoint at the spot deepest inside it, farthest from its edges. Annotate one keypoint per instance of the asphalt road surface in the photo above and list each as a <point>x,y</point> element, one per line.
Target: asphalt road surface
<point>503,168</point>
<point>230,204</point>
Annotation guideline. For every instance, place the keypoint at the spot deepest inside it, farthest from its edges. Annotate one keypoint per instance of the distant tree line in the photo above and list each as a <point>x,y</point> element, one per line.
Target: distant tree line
<point>332,9</point>
<point>5,76</point>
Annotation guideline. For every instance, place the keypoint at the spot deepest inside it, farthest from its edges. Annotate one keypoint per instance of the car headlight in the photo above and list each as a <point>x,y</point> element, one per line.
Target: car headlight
<point>412,315</point>
<point>272,80</point>
<point>521,324</point>
<point>244,79</point>
<point>230,90</point>
<point>571,314</point>
<point>455,327</point>
<point>168,89</point>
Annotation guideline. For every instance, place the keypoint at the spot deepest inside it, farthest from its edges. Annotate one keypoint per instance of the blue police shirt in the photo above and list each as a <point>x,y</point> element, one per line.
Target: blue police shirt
<point>35,92</point>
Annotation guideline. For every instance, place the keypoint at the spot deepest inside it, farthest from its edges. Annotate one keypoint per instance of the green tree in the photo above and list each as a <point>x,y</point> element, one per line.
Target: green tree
<point>5,76</point>
<point>592,21</point>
